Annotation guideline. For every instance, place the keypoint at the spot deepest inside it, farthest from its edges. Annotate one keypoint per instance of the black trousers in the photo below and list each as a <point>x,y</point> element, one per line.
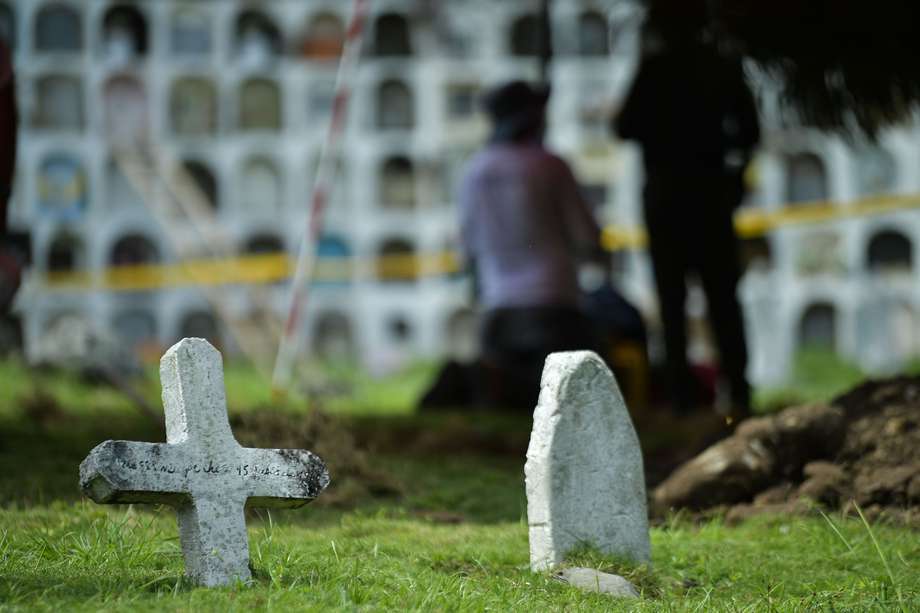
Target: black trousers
<point>690,229</point>
<point>515,343</point>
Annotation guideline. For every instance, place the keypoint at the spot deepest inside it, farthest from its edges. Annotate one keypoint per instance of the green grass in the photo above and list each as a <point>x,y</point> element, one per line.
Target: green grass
<point>817,376</point>
<point>448,533</point>
<point>339,389</point>
<point>83,557</point>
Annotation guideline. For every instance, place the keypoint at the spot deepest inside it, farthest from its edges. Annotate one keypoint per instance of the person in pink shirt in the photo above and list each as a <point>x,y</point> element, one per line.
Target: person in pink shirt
<point>524,227</point>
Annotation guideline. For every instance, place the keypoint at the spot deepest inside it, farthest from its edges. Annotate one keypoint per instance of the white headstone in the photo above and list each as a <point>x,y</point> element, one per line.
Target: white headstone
<point>585,482</point>
<point>201,470</point>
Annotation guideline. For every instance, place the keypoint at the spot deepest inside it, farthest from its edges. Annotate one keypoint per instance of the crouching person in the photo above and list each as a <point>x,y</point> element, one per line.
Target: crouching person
<point>524,226</point>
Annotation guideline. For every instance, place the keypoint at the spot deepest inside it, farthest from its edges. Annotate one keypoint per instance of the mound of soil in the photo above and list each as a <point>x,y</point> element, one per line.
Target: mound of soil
<point>861,449</point>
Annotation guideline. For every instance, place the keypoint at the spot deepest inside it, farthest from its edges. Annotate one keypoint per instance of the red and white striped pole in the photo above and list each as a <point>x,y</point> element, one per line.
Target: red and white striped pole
<point>325,174</point>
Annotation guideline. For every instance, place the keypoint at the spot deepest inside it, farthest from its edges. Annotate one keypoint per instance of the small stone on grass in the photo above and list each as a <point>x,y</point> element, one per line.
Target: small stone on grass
<point>592,580</point>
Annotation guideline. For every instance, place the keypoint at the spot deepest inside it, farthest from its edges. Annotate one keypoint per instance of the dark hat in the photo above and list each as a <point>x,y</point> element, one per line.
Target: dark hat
<point>515,107</point>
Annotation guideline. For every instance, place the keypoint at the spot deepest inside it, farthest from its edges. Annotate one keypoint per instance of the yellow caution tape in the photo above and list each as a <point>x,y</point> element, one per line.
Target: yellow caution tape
<point>277,267</point>
<point>246,270</point>
<point>754,223</point>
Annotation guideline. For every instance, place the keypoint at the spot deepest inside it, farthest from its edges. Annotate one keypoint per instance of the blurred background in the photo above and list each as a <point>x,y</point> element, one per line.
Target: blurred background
<point>168,149</point>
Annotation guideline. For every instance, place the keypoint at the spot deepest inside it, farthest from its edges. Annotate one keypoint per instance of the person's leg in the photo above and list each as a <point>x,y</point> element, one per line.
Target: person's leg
<point>567,328</point>
<point>540,331</point>
<point>670,265</point>
<point>512,357</point>
<point>719,273</point>
<point>494,357</point>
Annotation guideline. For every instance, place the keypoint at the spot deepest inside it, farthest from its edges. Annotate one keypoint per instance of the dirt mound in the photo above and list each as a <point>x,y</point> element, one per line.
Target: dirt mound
<point>863,448</point>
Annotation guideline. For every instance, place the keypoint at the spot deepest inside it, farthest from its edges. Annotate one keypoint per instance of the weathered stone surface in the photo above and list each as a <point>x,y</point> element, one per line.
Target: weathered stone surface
<point>201,470</point>
<point>592,580</point>
<point>584,473</point>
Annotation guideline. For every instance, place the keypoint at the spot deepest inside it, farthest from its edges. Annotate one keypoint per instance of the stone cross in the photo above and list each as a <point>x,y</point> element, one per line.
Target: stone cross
<point>584,476</point>
<point>201,470</point>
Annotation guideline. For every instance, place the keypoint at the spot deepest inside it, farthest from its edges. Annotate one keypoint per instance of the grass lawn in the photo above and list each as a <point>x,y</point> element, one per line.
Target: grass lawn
<point>446,532</point>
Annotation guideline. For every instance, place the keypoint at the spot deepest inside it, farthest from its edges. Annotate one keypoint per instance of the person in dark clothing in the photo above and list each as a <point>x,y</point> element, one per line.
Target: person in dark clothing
<point>15,247</point>
<point>694,115</point>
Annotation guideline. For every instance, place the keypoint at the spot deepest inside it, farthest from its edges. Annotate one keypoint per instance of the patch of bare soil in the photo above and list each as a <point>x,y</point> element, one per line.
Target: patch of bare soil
<point>41,408</point>
<point>861,449</point>
<point>473,433</point>
<point>353,475</point>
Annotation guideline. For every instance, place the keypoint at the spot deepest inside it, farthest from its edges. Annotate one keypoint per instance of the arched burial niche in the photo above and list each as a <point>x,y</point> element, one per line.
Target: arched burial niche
<point>58,29</point>
<point>125,107</point>
<point>258,40</point>
<point>333,246</point>
<point>335,263</point>
<point>392,36</point>
<point>8,31</point>
<point>60,103</point>
<point>524,37</point>
<point>259,105</point>
<point>806,178</point>
<point>203,181</point>
<point>876,170</point>
<point>193,107</point>
<point>64,338</point>
<point>136,328</point>
<point>66,253</point>
<point>320,99</point>
<point>755,254</point>
<point>887,333</point>
<point>336,183</point>
<point>333,337</point>
<point>819,252</point>
<point>399,328</point>
<point>397,184</point>
<point>395,108</point>
<point>124,33</point>
<point>201,324</point>
<point>903,332</point>
<point>593,38</point>
<point>461,100</point>
<point>190,31</point>
<point>265,243</point>
<point>324,37</point>
<point>890,252</point>
<point>450,259</point>
<point>397,261</point>
<point>134,250</point>
<point>260,185</point>
<point>120,192</point>
<point>62,187</point>
<point>818,327</point>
